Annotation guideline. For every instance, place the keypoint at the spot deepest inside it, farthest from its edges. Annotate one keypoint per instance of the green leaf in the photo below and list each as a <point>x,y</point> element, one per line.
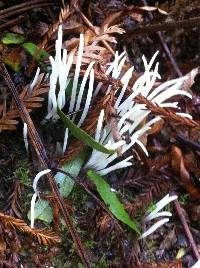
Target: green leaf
<point>43,211</point>
<point>111,200</point>
<point>33,50</point>
<point>73,167</point>
<point>12,39</point>
<point>81,134</point>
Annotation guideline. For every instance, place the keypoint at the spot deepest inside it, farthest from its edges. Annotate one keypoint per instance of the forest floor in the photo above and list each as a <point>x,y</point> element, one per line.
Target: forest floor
<point>85,233</point>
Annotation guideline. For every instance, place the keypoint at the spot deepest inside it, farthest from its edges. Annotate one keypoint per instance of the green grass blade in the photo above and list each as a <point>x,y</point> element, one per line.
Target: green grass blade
<point>81,134</point>
<point>111,200</point>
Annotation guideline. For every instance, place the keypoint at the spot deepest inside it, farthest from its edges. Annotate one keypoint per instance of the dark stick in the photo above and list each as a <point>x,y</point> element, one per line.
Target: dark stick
<point>165,26</point>
<point>185,141</point>
<point>165,46</point>
<point>15,7</point>
<point>13,21</point>
<point>41,153</point>
<point>26,8</point>
<point>186,229</point>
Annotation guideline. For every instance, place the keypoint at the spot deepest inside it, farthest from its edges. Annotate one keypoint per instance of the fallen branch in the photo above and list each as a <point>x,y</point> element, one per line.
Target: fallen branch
<point>166,26</point>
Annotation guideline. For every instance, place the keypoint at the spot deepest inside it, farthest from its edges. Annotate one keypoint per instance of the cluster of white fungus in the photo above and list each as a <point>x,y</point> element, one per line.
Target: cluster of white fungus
<point>131,114</point>
<point>60,75</point>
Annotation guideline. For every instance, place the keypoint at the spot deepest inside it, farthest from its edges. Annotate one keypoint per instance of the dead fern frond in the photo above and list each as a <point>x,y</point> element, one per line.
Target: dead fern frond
<point>44,236</point>
<point>143,200</point>
<point>167,113</point>
<point>13,200</point>
<point>32,99</point>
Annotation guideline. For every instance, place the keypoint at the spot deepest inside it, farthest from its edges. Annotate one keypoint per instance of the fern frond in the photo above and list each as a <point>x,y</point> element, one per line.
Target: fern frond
<point>44,236</point>
<point>166,112</point>
<point>32,99</point>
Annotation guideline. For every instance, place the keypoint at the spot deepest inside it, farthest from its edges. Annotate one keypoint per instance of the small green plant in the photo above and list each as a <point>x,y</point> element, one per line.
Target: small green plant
<point>23,174</point>
<point>184,198</point>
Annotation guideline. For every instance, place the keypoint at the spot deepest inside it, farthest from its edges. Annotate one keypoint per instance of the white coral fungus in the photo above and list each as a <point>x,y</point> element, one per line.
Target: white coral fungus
<point>126,108</point>
<point>132,114</point>
<point>156,213</point>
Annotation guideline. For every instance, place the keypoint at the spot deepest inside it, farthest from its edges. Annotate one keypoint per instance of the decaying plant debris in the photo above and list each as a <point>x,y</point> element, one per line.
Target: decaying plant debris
<point>87,165</point>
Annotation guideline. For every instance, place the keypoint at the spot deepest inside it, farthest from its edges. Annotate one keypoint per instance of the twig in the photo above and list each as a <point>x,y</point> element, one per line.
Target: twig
<point>166,26</point>
<point>41,153</point>
<point>165,46</point>
<point>14,21</point>
<point>15,7</point>
<point>26,8</point>
<point>167,113</point>
<point>186,228</point>
<point>186,142</point>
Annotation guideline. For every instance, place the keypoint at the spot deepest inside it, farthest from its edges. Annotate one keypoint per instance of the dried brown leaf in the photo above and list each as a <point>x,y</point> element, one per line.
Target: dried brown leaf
<point>13,200</point>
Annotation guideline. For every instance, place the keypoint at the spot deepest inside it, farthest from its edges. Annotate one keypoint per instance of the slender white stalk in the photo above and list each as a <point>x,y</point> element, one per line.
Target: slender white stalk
<point>63,79</point>
<point>161,204</point>
<point>99,126</point>
<point>25,134</point>
<point>65,139</point>
<point>125,80</point>
<point>34,197</point>
<point>170,93</point>
<point>33,200</point>
<point>159,214</point>
<point>122,164</point>
<point>185,115</point>
<point>82,88</point>
<point>146,65</point>
<point>154,227</point>
<point>76,74</point>
<point>38,176</point>
<point>128,114</point>
<point>169,105</point>
<point>109,70</point>
<point>35,79</point>
<point>142,147</point>
<point>88,99</point>
<point>118,67</point>
<point>173,84</point>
